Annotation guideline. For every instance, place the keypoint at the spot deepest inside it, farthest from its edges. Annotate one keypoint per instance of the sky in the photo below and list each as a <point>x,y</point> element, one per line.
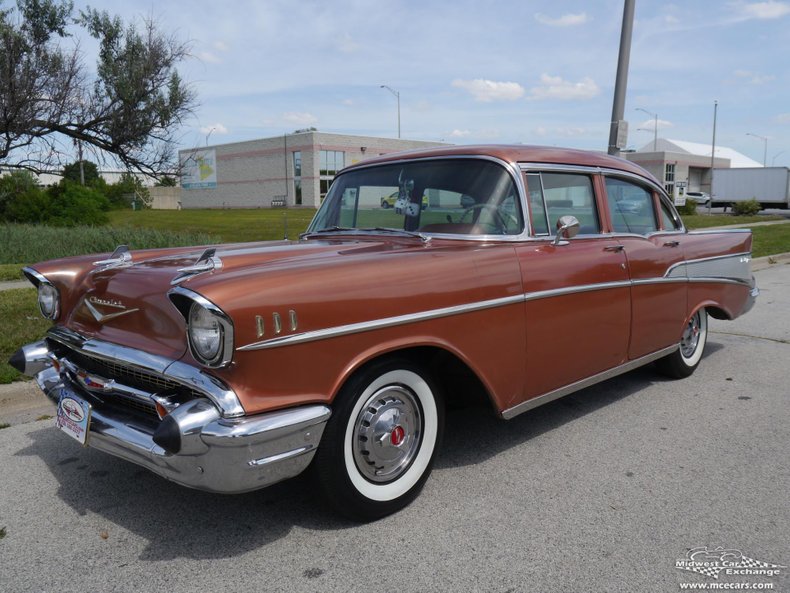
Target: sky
<point>487,71</point>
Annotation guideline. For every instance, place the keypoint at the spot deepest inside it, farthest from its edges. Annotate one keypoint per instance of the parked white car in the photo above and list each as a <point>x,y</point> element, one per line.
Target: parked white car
<point>700,197</point>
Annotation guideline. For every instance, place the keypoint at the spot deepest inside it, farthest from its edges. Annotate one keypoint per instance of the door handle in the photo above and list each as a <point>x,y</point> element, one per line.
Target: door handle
<point>614,248</point>
<point>671,243</point>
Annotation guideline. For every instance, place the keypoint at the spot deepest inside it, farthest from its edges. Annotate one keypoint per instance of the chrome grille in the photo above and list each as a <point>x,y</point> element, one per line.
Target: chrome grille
<point>126,375</point>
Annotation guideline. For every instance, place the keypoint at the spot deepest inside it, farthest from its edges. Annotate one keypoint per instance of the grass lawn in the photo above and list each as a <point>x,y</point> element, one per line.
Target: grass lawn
<point>771,239</point>
<point>701,221</point>
<point>229,226</point>
<point>11,272</point>
<point>22,324</point>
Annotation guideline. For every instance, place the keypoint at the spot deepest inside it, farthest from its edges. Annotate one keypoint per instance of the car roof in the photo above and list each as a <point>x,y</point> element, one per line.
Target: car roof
<point>515,154</point>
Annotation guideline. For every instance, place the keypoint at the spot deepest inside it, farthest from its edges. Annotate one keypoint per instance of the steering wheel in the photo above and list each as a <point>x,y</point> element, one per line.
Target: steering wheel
<point>501,218</point>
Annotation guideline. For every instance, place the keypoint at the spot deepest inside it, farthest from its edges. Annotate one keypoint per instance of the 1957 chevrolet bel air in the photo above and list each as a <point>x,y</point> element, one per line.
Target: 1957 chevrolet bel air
<point>529,273</point>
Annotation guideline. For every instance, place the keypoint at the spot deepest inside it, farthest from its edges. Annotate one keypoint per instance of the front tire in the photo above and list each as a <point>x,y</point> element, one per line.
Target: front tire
<point>379,445</point>
<point>684,361</point>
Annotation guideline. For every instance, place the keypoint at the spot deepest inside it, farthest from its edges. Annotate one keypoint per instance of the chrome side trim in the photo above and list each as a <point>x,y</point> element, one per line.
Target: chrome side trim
<point>364,326</point>
<point>716,232</point>
<point>35,277</point>
<point>219,393</point>
<point>543,294</point>
<point>562,391</point>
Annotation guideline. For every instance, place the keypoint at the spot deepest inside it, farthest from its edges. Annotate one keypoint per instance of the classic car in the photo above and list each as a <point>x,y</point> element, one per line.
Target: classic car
<point>230,368</point>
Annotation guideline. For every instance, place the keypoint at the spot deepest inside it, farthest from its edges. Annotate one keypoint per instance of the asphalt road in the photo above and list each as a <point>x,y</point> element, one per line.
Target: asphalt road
<point>600,491</point>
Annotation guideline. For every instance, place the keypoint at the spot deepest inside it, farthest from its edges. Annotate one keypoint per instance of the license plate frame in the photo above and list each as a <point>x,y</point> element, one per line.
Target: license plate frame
<point>74,416</point>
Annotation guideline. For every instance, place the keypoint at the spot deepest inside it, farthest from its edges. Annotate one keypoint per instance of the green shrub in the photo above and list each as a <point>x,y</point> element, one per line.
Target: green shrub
<point>688,209</point>
<point>746,208</point>
<point>72,204</point>
<point>21,200</point>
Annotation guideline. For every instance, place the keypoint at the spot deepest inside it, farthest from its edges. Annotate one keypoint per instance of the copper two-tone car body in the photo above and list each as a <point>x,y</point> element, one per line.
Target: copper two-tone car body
<point>532,273</point>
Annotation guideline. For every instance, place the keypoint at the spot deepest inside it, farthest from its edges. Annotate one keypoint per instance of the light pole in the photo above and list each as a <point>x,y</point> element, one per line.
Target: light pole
<point>773,160</point>
<point>713,155</point>
<point>765,146</point>
<point>397,96</point>
<point>655,126</point>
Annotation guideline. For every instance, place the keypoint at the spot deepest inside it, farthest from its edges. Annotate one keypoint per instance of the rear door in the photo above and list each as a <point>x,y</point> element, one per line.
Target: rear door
<point>651,236</point>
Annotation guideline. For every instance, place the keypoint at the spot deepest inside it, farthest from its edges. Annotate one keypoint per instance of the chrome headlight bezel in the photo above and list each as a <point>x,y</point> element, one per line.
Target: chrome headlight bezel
<point>44,287</point>
<point>194,307</point>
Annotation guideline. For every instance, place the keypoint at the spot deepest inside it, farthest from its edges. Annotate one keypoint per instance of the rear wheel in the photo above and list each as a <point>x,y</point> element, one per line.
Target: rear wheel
<point>379,446</point>
<point>683,362</point>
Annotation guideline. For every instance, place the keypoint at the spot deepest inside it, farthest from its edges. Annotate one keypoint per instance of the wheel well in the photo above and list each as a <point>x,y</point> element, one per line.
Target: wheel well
<point>717,313</point>
<point>459,383</point>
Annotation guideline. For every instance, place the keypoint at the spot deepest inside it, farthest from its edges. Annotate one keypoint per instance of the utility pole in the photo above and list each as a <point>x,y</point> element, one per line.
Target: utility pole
<point>397,96</point>
<point>712,154</point>
<point>618,136</point>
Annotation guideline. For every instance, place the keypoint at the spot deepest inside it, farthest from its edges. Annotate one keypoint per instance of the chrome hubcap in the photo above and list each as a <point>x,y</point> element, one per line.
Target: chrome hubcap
<point>387,434</point>
<point>690,339</point>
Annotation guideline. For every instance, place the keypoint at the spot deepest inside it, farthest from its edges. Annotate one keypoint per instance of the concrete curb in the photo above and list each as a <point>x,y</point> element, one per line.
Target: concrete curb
<point>760,263</point>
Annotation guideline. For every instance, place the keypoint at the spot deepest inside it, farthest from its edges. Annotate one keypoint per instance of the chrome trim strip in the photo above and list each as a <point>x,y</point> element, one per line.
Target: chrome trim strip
<point>716,279</point>
<point>568,389</point>
<point>716,232</point>
<point>187,375</point>
<point>644,281</point>
<point>364,326</point>
<point>542,294</point>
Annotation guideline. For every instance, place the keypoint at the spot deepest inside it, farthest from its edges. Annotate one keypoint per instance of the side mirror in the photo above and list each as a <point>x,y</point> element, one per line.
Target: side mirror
<point>567,228</point>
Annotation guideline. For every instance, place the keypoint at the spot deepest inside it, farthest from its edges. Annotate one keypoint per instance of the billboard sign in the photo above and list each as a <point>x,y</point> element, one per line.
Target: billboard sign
<point>199,169</point>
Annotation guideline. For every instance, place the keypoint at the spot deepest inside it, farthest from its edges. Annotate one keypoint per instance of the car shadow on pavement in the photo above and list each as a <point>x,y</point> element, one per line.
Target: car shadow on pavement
<point>177,522</point>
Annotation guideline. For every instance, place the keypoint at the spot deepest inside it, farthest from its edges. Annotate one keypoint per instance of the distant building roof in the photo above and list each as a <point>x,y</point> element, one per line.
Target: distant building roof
<point>666,145</point>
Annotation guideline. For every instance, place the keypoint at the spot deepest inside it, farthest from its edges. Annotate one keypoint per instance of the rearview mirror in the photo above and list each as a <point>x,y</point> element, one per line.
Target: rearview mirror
<point>567,228</point>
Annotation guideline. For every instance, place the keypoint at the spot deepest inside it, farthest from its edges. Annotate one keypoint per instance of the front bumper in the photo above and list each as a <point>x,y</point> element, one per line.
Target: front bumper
<point>193,444</point>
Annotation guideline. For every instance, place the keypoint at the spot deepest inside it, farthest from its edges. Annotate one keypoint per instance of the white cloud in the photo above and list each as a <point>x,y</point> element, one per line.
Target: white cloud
<point>650,124</point>
<point>762,10</point>
<point>347,45</point>
<point>540,131</point>
<point>566,20</point>
<point>209,57</point>
<point>570,131</point>
<point>348,102</point>
<point>216,128</point>
<point>460,133</point>
<point>783,118</point>
<point>754,77</point>
<point>486,91</point>
<point>554,87</point>
<point>221,46</point>
<point>300,119</point>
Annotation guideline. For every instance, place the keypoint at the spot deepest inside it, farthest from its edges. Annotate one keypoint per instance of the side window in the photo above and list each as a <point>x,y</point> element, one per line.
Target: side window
<point>669,219</point>
<point>631,207</point>
<point>537,208</point>
<point>570,194</point>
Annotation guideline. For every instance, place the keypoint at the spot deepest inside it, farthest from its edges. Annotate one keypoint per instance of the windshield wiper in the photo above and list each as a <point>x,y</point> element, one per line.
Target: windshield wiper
<point>403,232</point>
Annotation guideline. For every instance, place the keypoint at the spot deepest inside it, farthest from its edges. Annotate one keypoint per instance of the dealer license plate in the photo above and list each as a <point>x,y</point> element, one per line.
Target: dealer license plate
<point>74,415</point>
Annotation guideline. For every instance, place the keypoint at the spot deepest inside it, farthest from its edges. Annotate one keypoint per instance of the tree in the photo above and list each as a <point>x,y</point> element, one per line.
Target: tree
<point>89,170</point>
<point>128,112</point>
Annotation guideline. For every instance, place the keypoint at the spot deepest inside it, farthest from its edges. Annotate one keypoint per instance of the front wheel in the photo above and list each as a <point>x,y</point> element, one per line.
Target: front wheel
<point>379,446</point>
<point>684,361</point>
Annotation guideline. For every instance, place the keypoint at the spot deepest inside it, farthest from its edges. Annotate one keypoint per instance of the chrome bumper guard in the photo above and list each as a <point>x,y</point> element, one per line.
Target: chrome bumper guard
<point>193,445</point>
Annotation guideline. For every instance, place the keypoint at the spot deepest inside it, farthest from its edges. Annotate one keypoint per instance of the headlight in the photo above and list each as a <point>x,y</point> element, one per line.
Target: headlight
<point>48,300</point>
<point>210,336</point>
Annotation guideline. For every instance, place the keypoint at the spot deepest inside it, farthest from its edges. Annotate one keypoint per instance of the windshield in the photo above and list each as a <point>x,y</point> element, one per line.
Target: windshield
<point>453,196</point>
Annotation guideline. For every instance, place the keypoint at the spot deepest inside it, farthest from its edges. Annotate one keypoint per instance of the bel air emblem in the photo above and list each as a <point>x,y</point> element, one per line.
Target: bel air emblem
<point>92,304</point>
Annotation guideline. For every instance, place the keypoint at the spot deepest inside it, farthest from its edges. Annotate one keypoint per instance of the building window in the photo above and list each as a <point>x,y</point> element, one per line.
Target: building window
<point>332,161</point>
<point>669,178</point>
<point>297,177</point>
<point>324,186</point>
<point>297,163</point>
<point>298,192</point>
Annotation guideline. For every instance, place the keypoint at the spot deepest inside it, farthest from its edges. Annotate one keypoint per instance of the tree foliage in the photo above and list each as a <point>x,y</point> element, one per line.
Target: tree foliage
<point>127,112</point>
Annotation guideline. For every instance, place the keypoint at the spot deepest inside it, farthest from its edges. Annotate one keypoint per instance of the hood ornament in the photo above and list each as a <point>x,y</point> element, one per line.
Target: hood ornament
<point>119,258</point>
<point>91,304</point>
<point>207,262</point>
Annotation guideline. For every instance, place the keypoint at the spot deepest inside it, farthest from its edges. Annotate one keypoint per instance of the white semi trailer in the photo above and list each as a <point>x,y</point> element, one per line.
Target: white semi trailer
<point>768,185</point>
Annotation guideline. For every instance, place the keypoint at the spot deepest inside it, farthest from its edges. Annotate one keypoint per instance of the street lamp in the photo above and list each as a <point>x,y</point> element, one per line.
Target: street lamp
<point>397,96</point>
<point>765,146</point>
<point>773,160</point>
<point>655,126</point>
